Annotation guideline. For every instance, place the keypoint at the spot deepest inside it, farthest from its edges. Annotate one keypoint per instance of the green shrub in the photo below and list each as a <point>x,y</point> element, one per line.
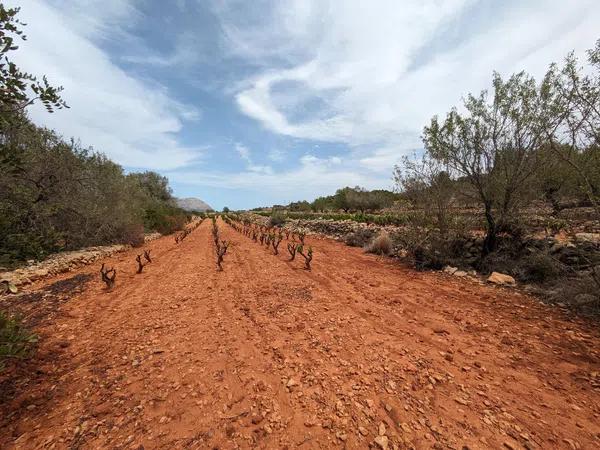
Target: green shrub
<point>15,340</point>
<point>277,219</point>
<point>359,238</point>
<point>538,267</point>
<point>425,258</point>
<point>171,224</point>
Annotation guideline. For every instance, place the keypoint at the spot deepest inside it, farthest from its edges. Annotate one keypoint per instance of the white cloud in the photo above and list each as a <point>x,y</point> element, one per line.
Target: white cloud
<point>260,169</point>
<point>186,52</point>
<point>244,153</point>
<point>134,123</point>
<point>377,71</point>
<point>312,177</point>
<point>95,19</point>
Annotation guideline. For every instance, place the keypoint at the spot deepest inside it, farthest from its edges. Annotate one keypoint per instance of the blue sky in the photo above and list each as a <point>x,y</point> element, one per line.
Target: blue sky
<point>249,103</point>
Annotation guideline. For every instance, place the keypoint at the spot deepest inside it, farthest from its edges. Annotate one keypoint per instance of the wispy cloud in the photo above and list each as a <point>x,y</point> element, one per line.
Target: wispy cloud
<point>185,53</point>
<point>244,153</point>
<point>134,122</point>
<point>379,72</point>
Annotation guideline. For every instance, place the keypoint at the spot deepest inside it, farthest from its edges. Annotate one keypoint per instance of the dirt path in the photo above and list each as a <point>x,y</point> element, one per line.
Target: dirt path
<point>267,355</point>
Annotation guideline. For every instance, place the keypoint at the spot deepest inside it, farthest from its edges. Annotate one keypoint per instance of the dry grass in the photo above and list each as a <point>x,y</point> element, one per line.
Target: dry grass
<point>380,245</point>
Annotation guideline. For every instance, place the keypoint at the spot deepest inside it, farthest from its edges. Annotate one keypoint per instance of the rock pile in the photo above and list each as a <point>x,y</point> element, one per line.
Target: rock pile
<point>152,237</point>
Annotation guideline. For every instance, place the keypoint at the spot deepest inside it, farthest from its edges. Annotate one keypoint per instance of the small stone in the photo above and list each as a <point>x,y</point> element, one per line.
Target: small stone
<point>461,401</point>
<point>310,422</point>
<point>574,445</point>
<point>341,436</point>
<point>501,279</point>
<point>363,431</point>
<point>382,429</point>
<point>451,270</point>
<point>382,442</point>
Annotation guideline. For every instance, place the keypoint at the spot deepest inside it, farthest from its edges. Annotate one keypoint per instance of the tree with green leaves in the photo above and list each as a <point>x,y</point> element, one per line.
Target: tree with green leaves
<point>19,89</point>
<point>321,204</point>
<point>341,199</point>
<point>154,185</point>
<point>299,206</point>
<point>428,186</point>
<point>493,144</point>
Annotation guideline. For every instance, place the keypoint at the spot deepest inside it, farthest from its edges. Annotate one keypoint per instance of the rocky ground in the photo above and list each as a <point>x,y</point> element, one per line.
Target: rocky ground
<point>358,352</point>
<point>539,255</point>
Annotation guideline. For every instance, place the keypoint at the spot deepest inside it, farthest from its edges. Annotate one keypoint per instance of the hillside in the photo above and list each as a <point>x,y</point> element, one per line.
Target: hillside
<point>193,204</point>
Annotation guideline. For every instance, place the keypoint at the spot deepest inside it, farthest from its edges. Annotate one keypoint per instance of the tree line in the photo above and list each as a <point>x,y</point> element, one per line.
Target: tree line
<point>345,199</point>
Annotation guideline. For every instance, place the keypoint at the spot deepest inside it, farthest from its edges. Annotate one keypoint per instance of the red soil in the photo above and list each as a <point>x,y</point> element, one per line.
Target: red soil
<point>268,355</point>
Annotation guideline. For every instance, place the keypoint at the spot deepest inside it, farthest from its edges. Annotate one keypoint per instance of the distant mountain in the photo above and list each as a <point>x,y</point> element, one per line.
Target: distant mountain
<point>193,204</point>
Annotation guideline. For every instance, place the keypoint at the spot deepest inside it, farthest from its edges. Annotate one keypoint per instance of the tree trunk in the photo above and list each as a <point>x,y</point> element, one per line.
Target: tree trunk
<point>442,223</point>
<point>490,242</point>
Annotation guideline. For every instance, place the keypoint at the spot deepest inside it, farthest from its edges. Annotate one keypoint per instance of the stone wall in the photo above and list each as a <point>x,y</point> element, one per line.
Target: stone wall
<point>60,263</point>
<point>334,229</point>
